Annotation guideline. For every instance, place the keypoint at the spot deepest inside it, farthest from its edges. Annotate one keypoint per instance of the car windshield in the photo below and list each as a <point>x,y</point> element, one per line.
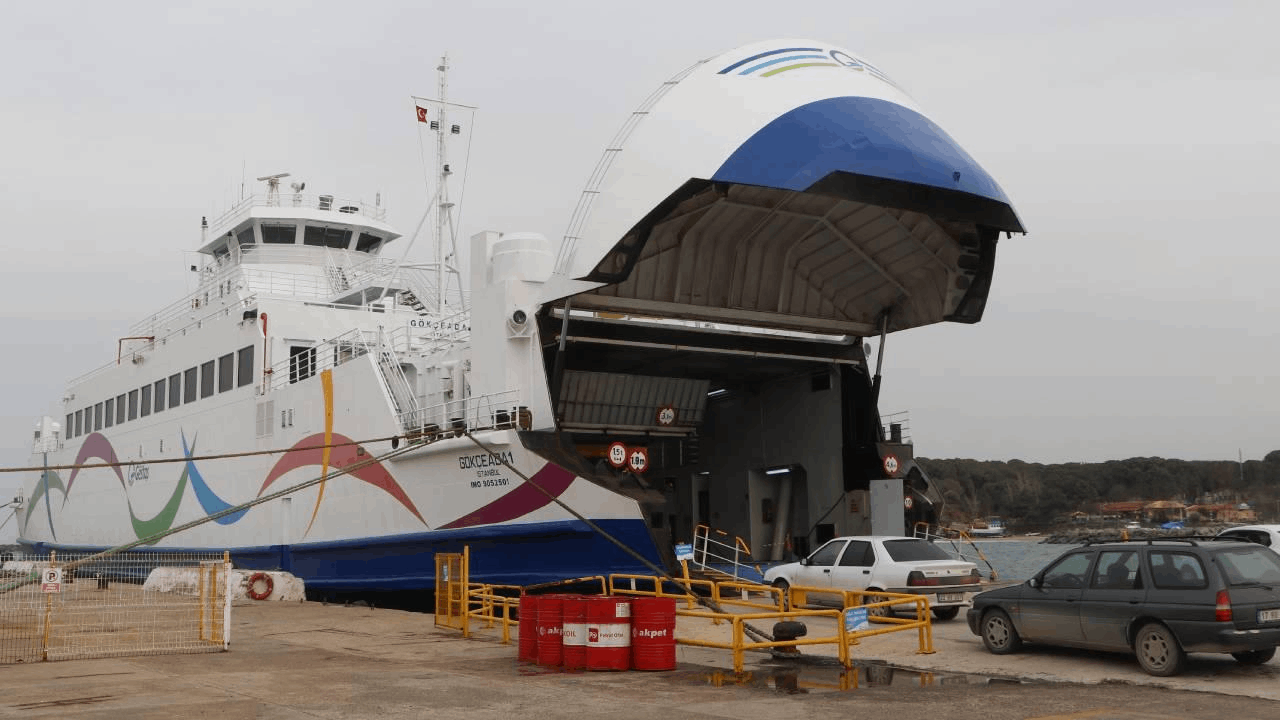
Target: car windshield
<point>909,550</point>
<point>1250,566</point>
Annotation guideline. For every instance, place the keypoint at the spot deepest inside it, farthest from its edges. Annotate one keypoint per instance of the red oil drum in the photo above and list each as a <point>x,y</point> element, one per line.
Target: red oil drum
<point>574,639</point>
<point>528,651</point>
<point>608,633</point>
<point>653,633</point>
<point>549,609</point>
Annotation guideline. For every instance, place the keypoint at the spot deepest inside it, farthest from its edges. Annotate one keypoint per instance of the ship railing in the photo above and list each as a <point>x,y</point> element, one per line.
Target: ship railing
<point>153,326</point>
<point>959,540</point>
<point>715,551</point>
<point>897,427</point>
<point>494,411</point>
<point>322,356</point>
<point>310,201</point>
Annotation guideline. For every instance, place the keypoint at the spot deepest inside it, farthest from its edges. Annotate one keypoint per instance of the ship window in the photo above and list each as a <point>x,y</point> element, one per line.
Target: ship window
<point>368,243</point>
<point>144,400</point>
<point>79,419</point>
<point>120,409</point>
<point>71,426</point>
<point>206,379</point>
<point>226,372</point>
<point>175,390</point>
<point>189,385</point>
<point>133,404</point>
<point>110,408</point>
<point>246,366</point>
<point>97,417</point>
<point>159,395</point>
<point>279,234</point>
<point>338,238</point>
<point>302,363</point>
<point>245,237</point>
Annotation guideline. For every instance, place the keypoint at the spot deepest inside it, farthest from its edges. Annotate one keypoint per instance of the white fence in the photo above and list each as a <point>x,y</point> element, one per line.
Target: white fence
<point>66,606</point>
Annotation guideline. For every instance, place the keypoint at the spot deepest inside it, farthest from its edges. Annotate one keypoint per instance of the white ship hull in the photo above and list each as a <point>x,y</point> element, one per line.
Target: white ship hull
<point>691,354</point>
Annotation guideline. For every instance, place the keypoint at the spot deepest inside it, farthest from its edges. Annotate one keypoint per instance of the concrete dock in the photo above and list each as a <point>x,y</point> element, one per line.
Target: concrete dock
<point>309,660</point>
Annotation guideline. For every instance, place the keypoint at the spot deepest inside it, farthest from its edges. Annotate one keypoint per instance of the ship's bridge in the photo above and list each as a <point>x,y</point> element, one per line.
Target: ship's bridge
<point>276,220</point>
<point>787,185</point>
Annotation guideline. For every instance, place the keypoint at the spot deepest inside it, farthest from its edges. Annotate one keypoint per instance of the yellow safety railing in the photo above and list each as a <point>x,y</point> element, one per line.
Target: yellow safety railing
<point>739,594</point>
<point>459,602</point>
<point>452,584</point>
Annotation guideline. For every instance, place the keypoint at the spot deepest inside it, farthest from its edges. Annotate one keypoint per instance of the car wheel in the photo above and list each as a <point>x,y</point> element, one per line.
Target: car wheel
<point>998,633</point>
<point>1254,657</point>
<point>785,587</point>
<point>1158,650</point>
<point>882,611</point>
<point>946,613</point>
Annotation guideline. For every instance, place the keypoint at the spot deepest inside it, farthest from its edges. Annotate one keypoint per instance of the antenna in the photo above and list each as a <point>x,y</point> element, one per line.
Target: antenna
<point>273,186</point>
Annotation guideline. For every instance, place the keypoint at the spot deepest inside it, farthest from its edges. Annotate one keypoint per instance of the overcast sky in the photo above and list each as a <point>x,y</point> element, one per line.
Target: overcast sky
<point>1136,139</point>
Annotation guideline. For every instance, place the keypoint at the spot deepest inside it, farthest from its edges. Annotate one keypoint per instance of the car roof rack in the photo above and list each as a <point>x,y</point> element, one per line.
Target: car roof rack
<point>1194,540</point>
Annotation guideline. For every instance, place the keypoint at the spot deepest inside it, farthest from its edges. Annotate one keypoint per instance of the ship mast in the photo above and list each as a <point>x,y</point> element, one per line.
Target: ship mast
<point>445,208</point>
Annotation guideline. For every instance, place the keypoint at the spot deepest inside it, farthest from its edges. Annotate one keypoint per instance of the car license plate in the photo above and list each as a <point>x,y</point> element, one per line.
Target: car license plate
<point>1268,615</point>
<point>959,597</point>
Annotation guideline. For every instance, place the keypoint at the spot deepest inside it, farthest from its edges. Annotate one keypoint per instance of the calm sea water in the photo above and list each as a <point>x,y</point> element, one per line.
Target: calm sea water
<point>1013,559</point>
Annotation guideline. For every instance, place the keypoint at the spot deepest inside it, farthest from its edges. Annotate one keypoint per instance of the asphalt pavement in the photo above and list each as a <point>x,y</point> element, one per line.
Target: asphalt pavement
<point>309,660</point>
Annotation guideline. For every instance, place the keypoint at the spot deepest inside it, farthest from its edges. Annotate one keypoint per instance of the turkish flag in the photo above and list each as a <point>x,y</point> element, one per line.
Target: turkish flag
<point>422,113</point>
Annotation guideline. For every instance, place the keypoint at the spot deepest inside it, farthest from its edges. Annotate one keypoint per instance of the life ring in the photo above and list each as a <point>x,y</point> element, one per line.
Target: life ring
<point>269,585</point>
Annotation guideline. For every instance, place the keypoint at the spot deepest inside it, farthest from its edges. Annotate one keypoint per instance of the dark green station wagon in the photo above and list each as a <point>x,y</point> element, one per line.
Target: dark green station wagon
<point>1158,599</point>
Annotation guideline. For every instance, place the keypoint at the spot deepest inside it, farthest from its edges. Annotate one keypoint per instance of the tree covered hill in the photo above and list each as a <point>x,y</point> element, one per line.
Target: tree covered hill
<point>1038,495</point>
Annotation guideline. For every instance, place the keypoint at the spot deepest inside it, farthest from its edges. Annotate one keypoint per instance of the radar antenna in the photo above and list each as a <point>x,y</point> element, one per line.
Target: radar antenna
<point>273,187</point>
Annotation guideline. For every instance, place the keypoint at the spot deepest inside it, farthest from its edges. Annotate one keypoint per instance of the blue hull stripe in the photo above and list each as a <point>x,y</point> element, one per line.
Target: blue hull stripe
<point>500,554</point>
<point>858,135</point>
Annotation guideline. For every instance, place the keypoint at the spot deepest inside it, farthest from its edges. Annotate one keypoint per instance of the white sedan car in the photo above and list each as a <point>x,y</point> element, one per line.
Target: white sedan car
<point>884,562</point>
<point>1265,535</point>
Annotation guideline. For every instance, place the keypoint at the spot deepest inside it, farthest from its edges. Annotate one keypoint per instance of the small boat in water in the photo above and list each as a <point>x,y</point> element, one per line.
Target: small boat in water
<point>990,527</point>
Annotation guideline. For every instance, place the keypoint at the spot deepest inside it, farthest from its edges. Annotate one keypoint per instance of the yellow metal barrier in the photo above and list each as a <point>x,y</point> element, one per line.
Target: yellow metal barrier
<point>458,602</point>
<point>796,596</point>
<point>452,584</point>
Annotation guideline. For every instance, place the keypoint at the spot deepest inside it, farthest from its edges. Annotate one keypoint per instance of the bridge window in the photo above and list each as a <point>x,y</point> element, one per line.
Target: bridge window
<point>109,408</point>
<point>338,238</point>
<point>245,237</point>
<point>120,409</point>
<point>245,362</point>
<point>175,390</point>
<point>368,243</point>
<point>189,385</point>
<point>144,408</point>
<point>71,426</point>
<point>226,372</point>
<point>79,419</point>
<point>279,234</point>
<point>97,417</point>
<point>206,379</point>
<point>133,404</point>
<point>159,395</point>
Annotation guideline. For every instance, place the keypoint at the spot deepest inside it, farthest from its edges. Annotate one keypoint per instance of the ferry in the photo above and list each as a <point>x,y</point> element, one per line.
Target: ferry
<point>689,354</point>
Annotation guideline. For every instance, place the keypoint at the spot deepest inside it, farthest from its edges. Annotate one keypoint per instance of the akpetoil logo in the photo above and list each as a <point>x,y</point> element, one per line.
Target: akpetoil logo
<point>773,62</point>
<point>648,633</point>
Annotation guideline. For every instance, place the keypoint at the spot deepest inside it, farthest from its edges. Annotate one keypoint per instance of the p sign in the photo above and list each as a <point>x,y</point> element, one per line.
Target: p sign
<point>51,580</point>
<point>638,461</point>
<point>617,454</point>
